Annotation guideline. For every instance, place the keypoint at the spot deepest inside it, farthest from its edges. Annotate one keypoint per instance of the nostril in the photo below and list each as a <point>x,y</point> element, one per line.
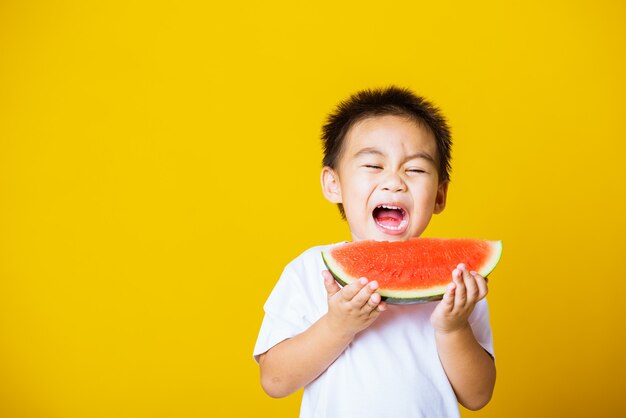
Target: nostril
<point>393,182</point>
<point>394,188</point>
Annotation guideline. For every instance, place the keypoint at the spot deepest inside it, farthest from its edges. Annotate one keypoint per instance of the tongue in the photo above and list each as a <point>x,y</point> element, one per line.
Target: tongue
<point>388,217</point>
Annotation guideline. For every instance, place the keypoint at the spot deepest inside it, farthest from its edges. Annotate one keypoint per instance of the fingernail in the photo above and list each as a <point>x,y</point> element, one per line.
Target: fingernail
<point>473,273</point>
<point>363,281</point>
<point>461,266</point>
<point>374,285</point>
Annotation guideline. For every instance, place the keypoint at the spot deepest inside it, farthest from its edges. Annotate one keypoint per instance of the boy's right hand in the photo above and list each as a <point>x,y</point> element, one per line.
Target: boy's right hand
<point>354,307</point>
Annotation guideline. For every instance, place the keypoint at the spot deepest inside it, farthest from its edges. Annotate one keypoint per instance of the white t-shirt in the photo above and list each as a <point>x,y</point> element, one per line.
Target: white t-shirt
<point>391,369</point>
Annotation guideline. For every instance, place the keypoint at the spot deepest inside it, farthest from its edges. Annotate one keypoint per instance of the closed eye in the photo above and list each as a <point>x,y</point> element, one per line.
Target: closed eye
<point>375,167</point>
<point>415,170</point>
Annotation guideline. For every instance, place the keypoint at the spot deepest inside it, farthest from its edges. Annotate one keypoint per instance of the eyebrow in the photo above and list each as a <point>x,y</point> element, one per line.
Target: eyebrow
<point>368,151</point>
<point>375,151</point>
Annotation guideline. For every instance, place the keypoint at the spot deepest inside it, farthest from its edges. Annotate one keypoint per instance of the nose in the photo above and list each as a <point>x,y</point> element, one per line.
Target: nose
<point>393,183</point>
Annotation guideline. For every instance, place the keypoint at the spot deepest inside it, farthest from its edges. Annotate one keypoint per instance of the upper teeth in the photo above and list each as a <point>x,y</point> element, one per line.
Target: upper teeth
<point>390,207</point>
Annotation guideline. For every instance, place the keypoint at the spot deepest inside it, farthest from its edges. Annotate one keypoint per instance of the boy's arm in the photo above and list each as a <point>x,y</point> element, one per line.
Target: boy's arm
<point>470,369</point>
<point>297,361</point>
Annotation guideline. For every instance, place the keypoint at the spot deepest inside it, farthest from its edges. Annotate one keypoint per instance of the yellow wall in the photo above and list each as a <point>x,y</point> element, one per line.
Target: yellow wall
<point>159,165</point>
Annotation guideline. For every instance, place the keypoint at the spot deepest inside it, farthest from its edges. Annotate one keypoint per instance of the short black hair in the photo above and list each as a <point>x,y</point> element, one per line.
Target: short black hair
<point>391,100</point>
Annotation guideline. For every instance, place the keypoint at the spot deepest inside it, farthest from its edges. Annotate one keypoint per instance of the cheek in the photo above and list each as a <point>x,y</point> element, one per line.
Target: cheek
<point>356,197</point>
<point>359,187</point>
<point>426,196</point>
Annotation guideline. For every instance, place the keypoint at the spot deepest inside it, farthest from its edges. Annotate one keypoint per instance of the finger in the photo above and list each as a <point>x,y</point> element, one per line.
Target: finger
<point>460,292</point>
<point>364,295</point>
<point>330,284</point>
<point>350,291</point>
<point>373,302</point>
<point>481,282</point>
<point>382,306</point>
<point>471,287</point>
<point>448,297</point>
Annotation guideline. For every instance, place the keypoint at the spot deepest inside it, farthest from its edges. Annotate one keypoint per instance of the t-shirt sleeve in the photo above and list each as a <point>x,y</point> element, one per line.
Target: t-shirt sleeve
<point>290,308</point>
<point>479,320</point>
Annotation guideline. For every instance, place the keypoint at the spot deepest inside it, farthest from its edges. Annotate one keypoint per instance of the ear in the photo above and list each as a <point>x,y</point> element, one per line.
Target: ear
<point>442,194</point>
<point>330,185</point>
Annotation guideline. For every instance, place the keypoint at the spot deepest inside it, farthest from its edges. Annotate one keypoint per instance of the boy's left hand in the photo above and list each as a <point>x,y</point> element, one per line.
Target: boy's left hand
<point>465,290</point>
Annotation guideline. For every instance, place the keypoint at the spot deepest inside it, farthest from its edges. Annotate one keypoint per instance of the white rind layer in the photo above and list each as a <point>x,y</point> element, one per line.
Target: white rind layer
<point>490,264</point>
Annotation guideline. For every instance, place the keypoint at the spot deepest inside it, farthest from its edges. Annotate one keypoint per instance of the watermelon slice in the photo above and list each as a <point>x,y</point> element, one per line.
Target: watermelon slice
<point>414,271</point>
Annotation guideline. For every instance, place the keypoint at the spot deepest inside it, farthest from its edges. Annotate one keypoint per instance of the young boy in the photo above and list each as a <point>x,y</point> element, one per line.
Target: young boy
<point>386,166</point>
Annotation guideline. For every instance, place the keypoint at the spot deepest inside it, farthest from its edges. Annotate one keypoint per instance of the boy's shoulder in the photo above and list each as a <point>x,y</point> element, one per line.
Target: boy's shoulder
<point>300,288</point>
<point>310,257</point>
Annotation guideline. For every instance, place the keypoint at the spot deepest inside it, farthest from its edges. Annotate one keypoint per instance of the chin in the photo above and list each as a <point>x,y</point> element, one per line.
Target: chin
<point>382,236</point>
<point>392,238</point>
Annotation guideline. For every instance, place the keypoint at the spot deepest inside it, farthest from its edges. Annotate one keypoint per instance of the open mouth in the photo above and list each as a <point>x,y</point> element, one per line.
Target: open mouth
<point>391,218</point>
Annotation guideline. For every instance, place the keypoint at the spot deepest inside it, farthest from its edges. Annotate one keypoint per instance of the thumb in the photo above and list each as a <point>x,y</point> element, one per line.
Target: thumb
<point>448,297</point>
<point>329,283</point>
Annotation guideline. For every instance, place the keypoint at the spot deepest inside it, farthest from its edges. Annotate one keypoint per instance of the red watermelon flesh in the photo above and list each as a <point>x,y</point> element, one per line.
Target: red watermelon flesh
<point>412,271</point>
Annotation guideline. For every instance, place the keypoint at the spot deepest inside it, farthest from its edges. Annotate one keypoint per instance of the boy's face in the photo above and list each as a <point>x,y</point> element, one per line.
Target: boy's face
<point>387,179</point>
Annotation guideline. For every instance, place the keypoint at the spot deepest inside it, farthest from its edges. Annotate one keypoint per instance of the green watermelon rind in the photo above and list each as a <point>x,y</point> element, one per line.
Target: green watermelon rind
<point>490,264</point>
<point>405,297</point>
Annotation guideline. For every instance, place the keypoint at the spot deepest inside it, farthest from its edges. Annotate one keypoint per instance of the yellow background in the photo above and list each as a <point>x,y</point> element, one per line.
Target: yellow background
<point>159,166</point>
